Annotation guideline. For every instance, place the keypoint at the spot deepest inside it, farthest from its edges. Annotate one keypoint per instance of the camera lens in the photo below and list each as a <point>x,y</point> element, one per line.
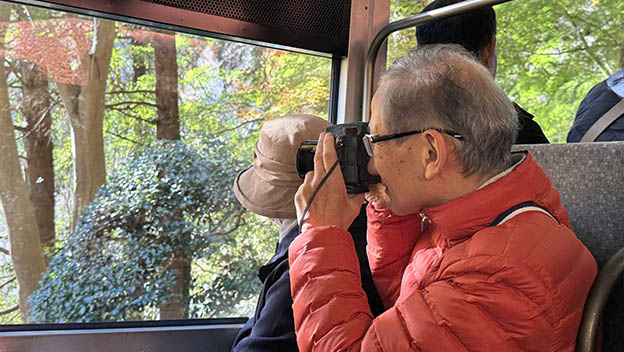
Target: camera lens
<point>305,157</point>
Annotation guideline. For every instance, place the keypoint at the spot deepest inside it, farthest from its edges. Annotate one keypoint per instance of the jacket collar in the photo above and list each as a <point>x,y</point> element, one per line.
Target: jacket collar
<point>457,220</point>
<point>616,83</point>
<point>288,231</point>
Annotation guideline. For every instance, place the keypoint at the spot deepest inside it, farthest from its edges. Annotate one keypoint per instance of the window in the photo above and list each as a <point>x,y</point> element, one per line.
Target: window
<point>117,173</point>
<point>550,54</point>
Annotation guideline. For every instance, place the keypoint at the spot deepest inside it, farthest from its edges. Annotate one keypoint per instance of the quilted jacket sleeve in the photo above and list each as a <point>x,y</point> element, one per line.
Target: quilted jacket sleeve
<point>391,239</point>
<point>330,307</point>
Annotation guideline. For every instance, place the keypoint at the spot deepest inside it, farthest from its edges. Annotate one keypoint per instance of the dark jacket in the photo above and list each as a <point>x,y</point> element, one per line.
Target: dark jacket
<point>530,132</point>
<point>272,327</point>
<point>600,99</point>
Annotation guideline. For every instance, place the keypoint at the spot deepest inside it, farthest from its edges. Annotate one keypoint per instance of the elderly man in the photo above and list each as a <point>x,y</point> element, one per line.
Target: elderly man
<point>469,246</point>
<point>475,31</point>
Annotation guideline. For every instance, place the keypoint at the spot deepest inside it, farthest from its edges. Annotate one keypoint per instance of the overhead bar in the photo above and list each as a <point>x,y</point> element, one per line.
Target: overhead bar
<point>413,21</point>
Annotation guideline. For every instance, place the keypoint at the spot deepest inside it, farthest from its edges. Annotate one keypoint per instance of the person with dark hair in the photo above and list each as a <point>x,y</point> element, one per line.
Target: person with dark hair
<point>475,31</point>
<point>469,245</point>
<point>599,117</point>
<point>268,188</point>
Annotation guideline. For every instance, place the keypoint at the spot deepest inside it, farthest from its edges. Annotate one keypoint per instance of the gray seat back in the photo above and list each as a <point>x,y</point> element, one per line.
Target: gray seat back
<point>590,181</point>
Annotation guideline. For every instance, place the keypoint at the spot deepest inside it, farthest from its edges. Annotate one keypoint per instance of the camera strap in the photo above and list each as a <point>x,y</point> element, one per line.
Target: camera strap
<point>305,211</point>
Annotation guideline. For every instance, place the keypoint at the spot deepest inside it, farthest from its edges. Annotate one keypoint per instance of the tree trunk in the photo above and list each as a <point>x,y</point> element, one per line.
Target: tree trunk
<point>177,306</point>
<point>138,64</point>
<point>85,106</point>
<point>168,127</point>
<point>38,147</point>
<point>165,57</point>
<point>39,168</point>
<point>26,255</point>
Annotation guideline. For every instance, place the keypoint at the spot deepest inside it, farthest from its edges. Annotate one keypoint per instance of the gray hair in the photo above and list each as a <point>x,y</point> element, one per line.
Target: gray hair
<point>443,86</point>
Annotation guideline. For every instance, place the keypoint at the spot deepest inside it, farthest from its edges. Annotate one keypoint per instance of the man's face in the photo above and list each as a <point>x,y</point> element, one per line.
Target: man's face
<point>397,164</point>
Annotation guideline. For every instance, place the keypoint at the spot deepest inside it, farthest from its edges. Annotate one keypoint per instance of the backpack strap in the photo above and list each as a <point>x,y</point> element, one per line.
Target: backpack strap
<point>603,122</point>
<point>519,209</point>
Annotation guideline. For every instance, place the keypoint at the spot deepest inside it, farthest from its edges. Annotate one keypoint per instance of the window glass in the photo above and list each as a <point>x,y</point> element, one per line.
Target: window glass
<point>550,53</point>
<point>119,147</point>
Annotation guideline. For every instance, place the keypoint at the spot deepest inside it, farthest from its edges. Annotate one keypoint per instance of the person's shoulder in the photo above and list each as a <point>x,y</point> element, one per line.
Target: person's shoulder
<point>531,254</point>
<point>600,97</point>
<point>596,103</point>
<point>536,240</point>
<point>530,131</point>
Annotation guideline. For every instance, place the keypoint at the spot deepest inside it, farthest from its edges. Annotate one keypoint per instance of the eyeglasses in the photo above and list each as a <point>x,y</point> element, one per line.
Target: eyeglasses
<point>370,139</point>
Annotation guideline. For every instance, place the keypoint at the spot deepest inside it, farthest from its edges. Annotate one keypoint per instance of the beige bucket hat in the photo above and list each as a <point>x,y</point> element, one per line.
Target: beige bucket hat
<point>268,186</point>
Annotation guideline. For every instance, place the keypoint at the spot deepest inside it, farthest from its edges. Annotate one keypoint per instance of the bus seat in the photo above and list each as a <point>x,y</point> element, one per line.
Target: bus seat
<point>596,302</point>
<point>590,181</point>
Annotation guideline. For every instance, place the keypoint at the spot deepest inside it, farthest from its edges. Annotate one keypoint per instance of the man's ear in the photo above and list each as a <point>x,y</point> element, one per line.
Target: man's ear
<point>436,153</point>
<point>487,56</point>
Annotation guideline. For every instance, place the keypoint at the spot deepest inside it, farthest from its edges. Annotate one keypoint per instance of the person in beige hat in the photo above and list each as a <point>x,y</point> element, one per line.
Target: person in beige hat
<point>268,188</point>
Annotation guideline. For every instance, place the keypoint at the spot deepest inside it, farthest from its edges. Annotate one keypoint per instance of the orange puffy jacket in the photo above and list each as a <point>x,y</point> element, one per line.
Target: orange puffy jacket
<point>459,285</point>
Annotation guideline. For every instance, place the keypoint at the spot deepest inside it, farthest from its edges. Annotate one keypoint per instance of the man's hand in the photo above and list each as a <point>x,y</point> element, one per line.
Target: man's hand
<point>378,195</point>
<point>331,206</point>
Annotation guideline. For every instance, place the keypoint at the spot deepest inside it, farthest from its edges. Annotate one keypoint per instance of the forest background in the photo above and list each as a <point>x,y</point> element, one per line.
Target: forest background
<point>119,145</point>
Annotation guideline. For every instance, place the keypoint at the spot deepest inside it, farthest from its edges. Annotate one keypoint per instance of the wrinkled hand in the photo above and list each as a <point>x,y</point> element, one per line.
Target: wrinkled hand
<point>332,206</point>
<point>378,195</point>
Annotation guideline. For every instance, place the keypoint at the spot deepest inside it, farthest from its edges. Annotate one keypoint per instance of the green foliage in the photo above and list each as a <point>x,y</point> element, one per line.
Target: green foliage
<point>401,42</point>
<point>131,113</point>
<point>113,267</point>
<point>551,56</point>
<point>225,278</point>
<point>8,289</point>
<point>233,88</point>
<point>549,53</point>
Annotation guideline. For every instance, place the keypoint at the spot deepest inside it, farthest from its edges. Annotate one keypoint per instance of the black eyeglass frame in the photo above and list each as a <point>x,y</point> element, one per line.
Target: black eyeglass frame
<point>370,139</point>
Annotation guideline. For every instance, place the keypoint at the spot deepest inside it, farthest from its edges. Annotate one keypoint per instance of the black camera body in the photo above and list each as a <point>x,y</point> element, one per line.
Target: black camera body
<point>352,156</point>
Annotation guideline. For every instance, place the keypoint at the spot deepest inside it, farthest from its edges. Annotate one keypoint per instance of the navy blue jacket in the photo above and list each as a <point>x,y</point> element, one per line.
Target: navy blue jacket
<point>600,99</point>
<point>272,327</point>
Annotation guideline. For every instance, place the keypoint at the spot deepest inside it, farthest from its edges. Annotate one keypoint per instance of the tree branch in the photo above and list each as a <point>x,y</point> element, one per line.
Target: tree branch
<point>121,91</point>
<point>13,69</point>
<point>131,103</point>
<point>11,310</point>
<point>124,138</point>
<point>31,129</point>
<point>15,84</point>
<point>123,111</point>
<point>4,251</point>
<point>593,26</point>
<point>239,125</point>
<point>581,37</point>
<point>21,129</point>
<point>239,217</point>
<point>556,53</point>
<point>8,282</point>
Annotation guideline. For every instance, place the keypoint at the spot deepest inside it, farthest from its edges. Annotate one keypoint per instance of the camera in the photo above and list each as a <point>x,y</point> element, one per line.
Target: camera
<point>352,156</point>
